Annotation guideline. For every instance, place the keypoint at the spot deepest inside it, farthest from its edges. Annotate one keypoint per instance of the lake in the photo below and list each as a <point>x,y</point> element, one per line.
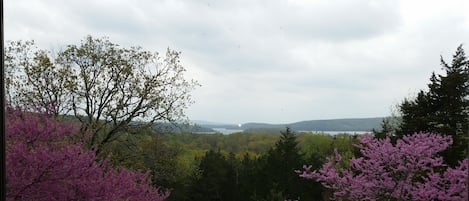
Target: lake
<point>227,131</point>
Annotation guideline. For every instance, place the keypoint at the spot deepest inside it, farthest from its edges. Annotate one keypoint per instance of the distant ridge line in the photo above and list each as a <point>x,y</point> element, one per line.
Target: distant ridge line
<point>343,124</point>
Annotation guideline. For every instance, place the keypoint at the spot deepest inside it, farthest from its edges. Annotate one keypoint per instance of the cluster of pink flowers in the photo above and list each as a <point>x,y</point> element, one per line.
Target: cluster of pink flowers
<point>409,170</point>
<point>44,163</point>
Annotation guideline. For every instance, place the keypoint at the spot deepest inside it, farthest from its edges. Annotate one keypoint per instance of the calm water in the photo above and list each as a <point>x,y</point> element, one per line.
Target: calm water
<point>338,132</point>
<point>226,131</point>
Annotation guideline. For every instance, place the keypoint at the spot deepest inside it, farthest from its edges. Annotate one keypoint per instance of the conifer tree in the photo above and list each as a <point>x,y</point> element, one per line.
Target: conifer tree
<point>444,108</point>
<point>280,163</point>
<point>216,179</point>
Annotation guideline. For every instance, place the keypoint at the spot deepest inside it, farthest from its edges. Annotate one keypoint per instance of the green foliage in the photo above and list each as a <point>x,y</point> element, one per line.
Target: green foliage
<point>255,166</point>
<point>282,160</point>
<point>105,86</point>
<point>389,125</point>
<point>146,152</point>
<point>236,143</point>
<point>218,179</point>
<point>444,108</point>
<point>244,166</point>
<point>272,176</point>
<point>317,147</point>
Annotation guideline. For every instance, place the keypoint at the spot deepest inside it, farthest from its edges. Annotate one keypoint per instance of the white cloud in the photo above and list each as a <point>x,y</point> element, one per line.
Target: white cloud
<point>270,60</point>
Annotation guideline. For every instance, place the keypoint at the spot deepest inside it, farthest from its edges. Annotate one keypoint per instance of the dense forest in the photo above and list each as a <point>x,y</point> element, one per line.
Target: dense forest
<point>225,167</point>
<point>71,135</point>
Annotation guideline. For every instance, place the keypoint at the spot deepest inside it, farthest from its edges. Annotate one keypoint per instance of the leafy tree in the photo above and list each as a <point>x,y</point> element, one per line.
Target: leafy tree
<point>389,125</point>
<point>408,170</point>
<point>234,183</point>
<point>45,163</point>
<point>249,177</point>
<point>105,86</point>
<point>33,81</point>
<point>317,147</point>
<point>146,152</point>
<point>444,108</point>
<point>186,172</point>
<point>161,160</point>
<point>279,179</point>
<point>216,181</point>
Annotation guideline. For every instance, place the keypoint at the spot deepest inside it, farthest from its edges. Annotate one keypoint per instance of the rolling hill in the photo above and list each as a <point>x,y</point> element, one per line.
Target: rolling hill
<point>351,124</point>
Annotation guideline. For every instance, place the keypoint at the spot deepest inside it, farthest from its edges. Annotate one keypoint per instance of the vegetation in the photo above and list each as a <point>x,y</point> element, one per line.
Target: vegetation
<point>410,167</point>
<point>105,87</point>
<point>409,170</point>
<point>225,167</point>
<point>45,163</point>
<point>90,123</point>
<point>444,108</point>
<point>358,124</point>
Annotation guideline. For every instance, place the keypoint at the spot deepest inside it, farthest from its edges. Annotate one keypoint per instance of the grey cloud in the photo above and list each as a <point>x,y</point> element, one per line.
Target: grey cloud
<point>283,59</point>
<point>344,20</point>
<point>240,34</point>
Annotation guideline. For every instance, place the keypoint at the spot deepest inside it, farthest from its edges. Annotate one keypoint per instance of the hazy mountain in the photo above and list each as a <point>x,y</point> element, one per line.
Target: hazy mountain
<point>351,124</point>
<point>361,124</point>
<point>203,122</point>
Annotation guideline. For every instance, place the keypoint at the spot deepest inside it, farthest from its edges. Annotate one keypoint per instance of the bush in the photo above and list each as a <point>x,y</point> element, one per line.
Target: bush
<point>44,163</point>
<point>408,170</point>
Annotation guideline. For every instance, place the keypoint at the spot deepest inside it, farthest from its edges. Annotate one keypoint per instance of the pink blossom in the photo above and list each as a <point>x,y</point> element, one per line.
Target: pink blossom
<point>408,170</point>
<point>44,163</point>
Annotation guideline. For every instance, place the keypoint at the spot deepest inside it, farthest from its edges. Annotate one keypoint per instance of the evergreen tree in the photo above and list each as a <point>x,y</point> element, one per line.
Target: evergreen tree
<point>389,125</point>
<point>216,181</point>
<point>249,179</point>
<point>281,161</point>
<point>444,108</point>
<point>232,187</point>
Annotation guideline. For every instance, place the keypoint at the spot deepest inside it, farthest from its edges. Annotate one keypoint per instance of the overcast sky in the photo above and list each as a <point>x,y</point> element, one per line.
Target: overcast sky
<point>273,61</point>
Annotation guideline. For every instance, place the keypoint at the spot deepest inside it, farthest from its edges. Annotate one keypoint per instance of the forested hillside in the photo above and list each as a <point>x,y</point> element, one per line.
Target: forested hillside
<point>354,124</point>
<point>93,122</point>
<point>230,167</point>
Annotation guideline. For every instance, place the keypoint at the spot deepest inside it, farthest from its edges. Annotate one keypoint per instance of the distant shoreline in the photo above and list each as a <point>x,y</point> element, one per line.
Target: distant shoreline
<point>227,131</point>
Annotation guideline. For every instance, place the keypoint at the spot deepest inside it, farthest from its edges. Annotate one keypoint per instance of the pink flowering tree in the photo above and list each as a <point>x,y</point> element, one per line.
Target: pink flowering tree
<point>408,170</point>
<point>45,163</point>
